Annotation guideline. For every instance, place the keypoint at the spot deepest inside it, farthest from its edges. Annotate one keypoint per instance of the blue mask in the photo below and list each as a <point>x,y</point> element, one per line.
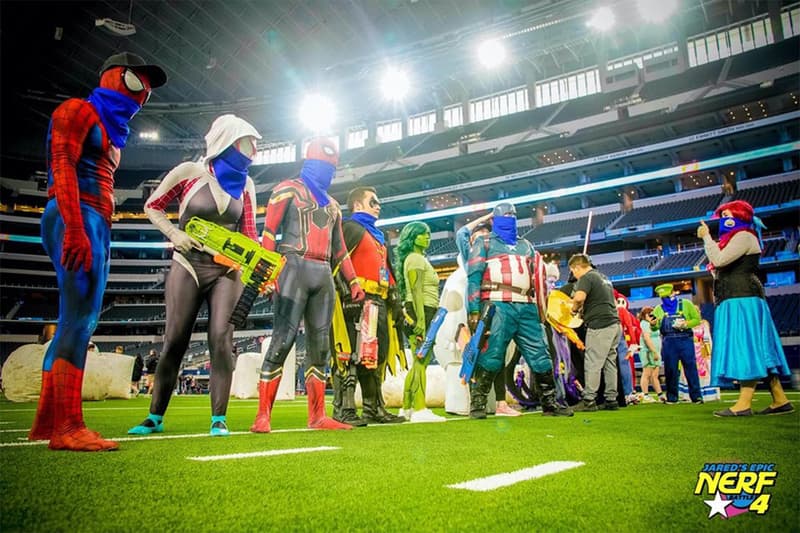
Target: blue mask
<point>115,111</point>
<point>670,305</point>
<point>368,221</point>
<point>729,224</point>
<point>230,169</point>
<point>317,175</point>
<point>506,229</point>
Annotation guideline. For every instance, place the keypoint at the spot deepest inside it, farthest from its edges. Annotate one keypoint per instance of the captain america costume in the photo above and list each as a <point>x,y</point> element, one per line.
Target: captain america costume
<point>83,152</point>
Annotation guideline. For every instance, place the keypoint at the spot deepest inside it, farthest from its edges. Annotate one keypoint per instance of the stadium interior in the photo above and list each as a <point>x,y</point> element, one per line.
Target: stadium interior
<point>631,137</point>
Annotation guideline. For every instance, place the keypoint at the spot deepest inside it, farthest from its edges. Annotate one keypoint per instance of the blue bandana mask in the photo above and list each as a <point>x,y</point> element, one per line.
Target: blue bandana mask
<point>368,221</point>
<point>670,305</point>
<point>317,175</point>
<point>230,169</point>
<point>115,111</point>
<point>506,229</point>
<point>729,224</point>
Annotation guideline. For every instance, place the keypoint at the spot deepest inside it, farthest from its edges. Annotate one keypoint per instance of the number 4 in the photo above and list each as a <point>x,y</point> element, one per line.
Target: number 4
<point>761,505</point>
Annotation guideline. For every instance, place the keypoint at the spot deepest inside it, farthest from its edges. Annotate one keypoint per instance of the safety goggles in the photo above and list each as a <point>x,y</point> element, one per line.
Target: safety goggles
<point>134,83</point>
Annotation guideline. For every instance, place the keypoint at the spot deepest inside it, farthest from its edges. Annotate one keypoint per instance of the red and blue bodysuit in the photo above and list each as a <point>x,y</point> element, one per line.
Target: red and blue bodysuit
<point>83,152</point>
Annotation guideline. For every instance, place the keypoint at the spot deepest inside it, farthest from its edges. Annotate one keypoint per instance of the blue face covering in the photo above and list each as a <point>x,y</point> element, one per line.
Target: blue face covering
<point>670,305</point>
<point>230,168</point>
<point>506,229</point>
<point>317,175</point>
<point>368,221</point>
<point>729,224</point>
<point>115,110</point>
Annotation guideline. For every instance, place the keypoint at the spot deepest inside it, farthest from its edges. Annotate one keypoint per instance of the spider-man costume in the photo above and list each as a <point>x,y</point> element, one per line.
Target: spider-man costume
<point>311,226</point>
<point>83,151</point>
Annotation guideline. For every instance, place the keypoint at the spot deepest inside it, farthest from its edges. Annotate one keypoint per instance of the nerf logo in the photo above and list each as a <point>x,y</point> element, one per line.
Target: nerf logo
<point>737,488</point>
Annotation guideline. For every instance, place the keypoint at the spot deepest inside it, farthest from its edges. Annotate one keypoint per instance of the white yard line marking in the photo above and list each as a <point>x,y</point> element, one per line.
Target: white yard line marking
<point>13,430</point>
<point>485,484</point>
<point>267,453</point>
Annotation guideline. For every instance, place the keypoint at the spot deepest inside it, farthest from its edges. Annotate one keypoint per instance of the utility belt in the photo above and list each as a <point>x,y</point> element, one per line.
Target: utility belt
<point>374,287</point>
<point>504,287</point>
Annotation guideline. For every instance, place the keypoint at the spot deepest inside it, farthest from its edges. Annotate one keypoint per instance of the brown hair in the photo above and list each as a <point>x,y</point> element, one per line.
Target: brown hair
<point>579,259</point>
<point>357,194</point>
<point>644,313</point>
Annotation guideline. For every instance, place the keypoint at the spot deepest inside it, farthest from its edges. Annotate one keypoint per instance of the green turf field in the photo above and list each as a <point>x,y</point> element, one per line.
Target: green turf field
<point>640,468</point>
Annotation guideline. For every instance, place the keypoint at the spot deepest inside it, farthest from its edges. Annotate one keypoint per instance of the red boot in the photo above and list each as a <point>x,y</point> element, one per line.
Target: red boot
<point>267,390</point>
<point>69,431</point>
<point>43,422</point>
<point>315,389</point>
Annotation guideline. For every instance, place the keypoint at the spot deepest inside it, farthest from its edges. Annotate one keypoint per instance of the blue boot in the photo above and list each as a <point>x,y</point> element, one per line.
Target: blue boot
<point>218,427</point>
<point>152,424</point>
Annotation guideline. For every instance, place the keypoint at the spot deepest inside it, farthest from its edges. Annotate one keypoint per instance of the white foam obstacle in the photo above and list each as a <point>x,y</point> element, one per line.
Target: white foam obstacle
<point>248,372</point>
<point>106,375</point>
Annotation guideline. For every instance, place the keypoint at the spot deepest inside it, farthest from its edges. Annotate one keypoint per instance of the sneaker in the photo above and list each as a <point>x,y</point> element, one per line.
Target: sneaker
<point>587,406</point>
<point>648,399</point>
<point>662,398</point>
<point>610,405</point>
<point>219,429</point>
<point>426,415</point>
<point>503,409</point>
<point>729,412</point>
<point>406,413</point>
<point>632,399</point>
<point>147,427</point>
<point>698,401</point>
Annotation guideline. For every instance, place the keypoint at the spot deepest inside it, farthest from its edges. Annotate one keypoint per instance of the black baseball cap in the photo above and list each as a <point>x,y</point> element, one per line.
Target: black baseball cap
<point>154,73</point>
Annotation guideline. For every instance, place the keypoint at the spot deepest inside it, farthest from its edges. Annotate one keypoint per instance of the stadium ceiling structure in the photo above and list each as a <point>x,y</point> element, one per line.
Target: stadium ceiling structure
<point>257,58</point>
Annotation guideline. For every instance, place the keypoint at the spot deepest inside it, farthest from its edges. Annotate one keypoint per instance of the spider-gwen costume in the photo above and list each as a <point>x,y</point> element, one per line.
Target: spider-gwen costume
<point>83,151</point>
<point>311,226</point>
<point>219,190</point>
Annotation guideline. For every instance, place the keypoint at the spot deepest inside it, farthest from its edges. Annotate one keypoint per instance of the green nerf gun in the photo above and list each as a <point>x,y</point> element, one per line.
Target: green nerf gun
<point>232,249</point>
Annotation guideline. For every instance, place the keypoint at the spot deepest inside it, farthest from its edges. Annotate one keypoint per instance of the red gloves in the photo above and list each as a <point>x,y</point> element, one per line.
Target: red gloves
<point>356,292</point>
<point>77,250</point>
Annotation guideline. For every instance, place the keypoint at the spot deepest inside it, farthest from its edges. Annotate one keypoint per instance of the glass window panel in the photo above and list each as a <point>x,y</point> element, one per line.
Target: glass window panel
<point>554,92</point>
<point>724,49</point>
<point>545,95</point>
<point>735,41</point>
<point>504,105</point>
<point>522,99</point>
<point>747,37</point>
<point>795,17</point>
<point>582,84</point>
<point>700,48</point>
<point>692,53</point>
<point>591,85</point>
<point>759,34</point>
<point>768,28</point>
<point>538,94</point>
<point>495,112</point>
<point>711,46</point>
<point>572,83</point>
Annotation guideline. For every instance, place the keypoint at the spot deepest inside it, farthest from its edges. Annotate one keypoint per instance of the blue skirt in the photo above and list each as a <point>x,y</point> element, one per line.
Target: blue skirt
<point>746,344</point>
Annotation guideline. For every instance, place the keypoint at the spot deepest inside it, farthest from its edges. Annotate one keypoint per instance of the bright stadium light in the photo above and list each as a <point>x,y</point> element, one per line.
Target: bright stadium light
<point>656,11</point>
<point>491,53</point>
<point>394,84</point>
<point>317,113</point>
<point>602,19</point>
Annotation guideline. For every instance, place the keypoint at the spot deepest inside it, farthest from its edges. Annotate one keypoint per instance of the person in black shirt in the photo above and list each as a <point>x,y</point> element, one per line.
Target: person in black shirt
<point>594,299</point>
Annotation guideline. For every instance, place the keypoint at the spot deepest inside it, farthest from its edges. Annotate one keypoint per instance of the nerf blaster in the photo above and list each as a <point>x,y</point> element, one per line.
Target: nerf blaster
<point>470,355</point>
<point>232,249</point>
<point>430,336</point>
<point>367,339</point>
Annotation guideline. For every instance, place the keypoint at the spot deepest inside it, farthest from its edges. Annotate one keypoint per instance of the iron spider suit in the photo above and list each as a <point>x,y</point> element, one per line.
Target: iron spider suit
<point>83,152</point>
<point>219,190</point>
<point>311,226</point>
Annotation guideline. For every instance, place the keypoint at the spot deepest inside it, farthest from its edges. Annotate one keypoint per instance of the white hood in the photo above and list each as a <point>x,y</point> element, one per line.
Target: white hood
<point>226,130</point>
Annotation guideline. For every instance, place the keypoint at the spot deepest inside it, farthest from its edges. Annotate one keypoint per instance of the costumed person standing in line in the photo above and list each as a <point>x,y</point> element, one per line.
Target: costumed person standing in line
<point>747,347</point>
<point>446,349</point>
<point>369,253</point>
<point>628,345</point>
<point>310,222</point>
<point>500,272</point>
<point>702,354</point>
<point>216,189</point>
<point>419,286</point>
<point>83,152</point>
<point>650,356</point>
<point>674,318</point>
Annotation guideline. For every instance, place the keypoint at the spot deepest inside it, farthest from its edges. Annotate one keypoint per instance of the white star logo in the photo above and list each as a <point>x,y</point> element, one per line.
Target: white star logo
<point>718,506</point>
